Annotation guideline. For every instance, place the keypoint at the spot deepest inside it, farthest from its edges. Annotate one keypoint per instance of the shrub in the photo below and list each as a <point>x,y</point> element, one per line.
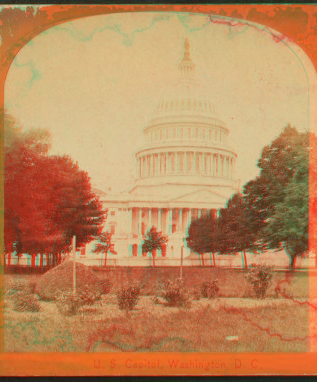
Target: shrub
<point>20,286</point>
<point>259,277</point>
<point>209,289</point>
<point>196,294</point>
<point>105,286</point>
<point>128,296</point>
<point>67,303</point>
<point>60,278</point>
<point>88,297</point>
<point>25,302</point>
<point>173,292</point>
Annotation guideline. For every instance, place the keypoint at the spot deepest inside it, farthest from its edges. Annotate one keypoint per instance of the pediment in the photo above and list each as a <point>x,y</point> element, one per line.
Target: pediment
<point>203,195</point>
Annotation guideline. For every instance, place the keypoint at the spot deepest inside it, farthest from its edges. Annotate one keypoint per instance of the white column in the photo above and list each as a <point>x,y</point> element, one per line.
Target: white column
<point>148,165</point>
<point>199,212</point>
<point>219,165</point>
<point>180,221</point>
<point>170,220</point>
<point>130,226</point>
<point>140,222</point>
<point>230,163</point>
<point>150,218</point>
<point>151,165</point>
<point>159,219</point>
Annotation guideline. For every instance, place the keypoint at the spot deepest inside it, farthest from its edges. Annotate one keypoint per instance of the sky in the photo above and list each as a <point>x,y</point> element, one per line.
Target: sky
<point>93,83</point>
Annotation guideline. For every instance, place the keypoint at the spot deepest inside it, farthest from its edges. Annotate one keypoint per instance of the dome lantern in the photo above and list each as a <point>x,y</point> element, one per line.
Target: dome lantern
<point>186,66</point>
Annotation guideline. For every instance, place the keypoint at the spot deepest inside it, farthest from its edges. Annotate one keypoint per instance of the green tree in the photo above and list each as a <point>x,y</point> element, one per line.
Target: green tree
<point>203,235</point>
<point>235,229</point>
<point>153,240</point>
<point>104,245</point>
<point>282,186</point>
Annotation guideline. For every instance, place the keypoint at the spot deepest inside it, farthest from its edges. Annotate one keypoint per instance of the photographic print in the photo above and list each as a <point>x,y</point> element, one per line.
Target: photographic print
<point>159,189</point>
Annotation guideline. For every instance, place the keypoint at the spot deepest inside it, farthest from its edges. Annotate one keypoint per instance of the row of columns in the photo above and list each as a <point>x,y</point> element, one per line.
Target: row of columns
<point>188,162</point>
<point>164,219</point>
<point>166,133</point>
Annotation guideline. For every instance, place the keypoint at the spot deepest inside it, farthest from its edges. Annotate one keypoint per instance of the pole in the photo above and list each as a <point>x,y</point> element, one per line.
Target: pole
<point>181,271</point>
<point>74,264</point>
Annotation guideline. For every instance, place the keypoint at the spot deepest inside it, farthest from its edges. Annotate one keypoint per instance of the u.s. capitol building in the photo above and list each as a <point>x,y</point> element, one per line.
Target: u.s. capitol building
<point>185,169</point>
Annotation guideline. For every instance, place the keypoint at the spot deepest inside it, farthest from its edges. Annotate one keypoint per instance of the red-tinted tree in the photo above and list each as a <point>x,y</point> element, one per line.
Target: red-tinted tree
<point>48,199</point>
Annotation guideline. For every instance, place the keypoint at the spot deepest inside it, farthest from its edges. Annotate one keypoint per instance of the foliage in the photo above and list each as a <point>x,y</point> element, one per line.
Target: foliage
<point>259,277</point>
<point>278,198</point>
<point>24,302</point>
<point>153,240</point>
<point>209,289</point>
<point>203,234</point>
<point>60,278</point>
<point>235,226</point>
<point>128,296</point>
<point>174,293</point>
<point>48,199</point>
<point>69,304</point>
<point>104,244</point>
<point>105,286</point>
<point>22,295</point>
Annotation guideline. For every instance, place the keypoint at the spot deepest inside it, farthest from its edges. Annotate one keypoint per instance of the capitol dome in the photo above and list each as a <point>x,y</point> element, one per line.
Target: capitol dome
<point>185,140</point>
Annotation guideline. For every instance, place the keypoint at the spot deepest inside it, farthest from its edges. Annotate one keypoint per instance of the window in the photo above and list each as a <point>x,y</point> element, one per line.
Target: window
<point>112,229</point>
<point>112,213</point>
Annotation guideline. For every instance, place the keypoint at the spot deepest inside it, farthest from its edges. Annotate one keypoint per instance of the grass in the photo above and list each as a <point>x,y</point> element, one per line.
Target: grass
<point>262,326</point>
<point>269,325</point>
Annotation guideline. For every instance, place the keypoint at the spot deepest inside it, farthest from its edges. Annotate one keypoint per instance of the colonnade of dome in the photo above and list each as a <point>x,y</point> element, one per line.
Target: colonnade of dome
<point>185,136</point>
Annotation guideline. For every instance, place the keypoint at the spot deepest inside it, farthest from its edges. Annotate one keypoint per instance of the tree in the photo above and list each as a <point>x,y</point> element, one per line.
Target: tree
<point>203,235</point>
<point>104,244</point>
<point>236,229</point>
<point>278,198</point>
<point>48,199</point>
<point>153,240</point>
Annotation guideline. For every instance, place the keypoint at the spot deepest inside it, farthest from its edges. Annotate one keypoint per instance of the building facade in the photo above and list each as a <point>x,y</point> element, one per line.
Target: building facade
<point>186,168</point>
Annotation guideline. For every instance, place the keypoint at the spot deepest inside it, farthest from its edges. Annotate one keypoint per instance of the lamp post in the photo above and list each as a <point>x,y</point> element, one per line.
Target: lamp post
<point>179,244</point>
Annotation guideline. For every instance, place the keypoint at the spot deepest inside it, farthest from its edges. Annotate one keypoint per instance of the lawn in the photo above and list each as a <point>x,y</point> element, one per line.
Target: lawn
<point>261,326</point>
<point>268,325</point>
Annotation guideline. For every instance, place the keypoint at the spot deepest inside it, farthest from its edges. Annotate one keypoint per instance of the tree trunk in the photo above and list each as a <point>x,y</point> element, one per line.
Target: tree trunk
<point>292,262</point>
<point>292,257</point>
<point>41,260</point>
<point>202,260</point>
<point>244,260</point>
<point>153,256</point>
<point>105,259</point>
<point>213,257</point>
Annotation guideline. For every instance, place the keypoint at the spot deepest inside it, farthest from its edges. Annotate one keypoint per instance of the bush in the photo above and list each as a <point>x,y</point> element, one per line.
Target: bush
<point>105,286</point>
<point>128,296</point>
<point>69,304</point>
<point>60,278</point>
<point>259,277</point>
<point>25,302</point>
<point>196,294</point>
<point>209,289</point>
<point>173,292</point>
<point>20,286</point>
